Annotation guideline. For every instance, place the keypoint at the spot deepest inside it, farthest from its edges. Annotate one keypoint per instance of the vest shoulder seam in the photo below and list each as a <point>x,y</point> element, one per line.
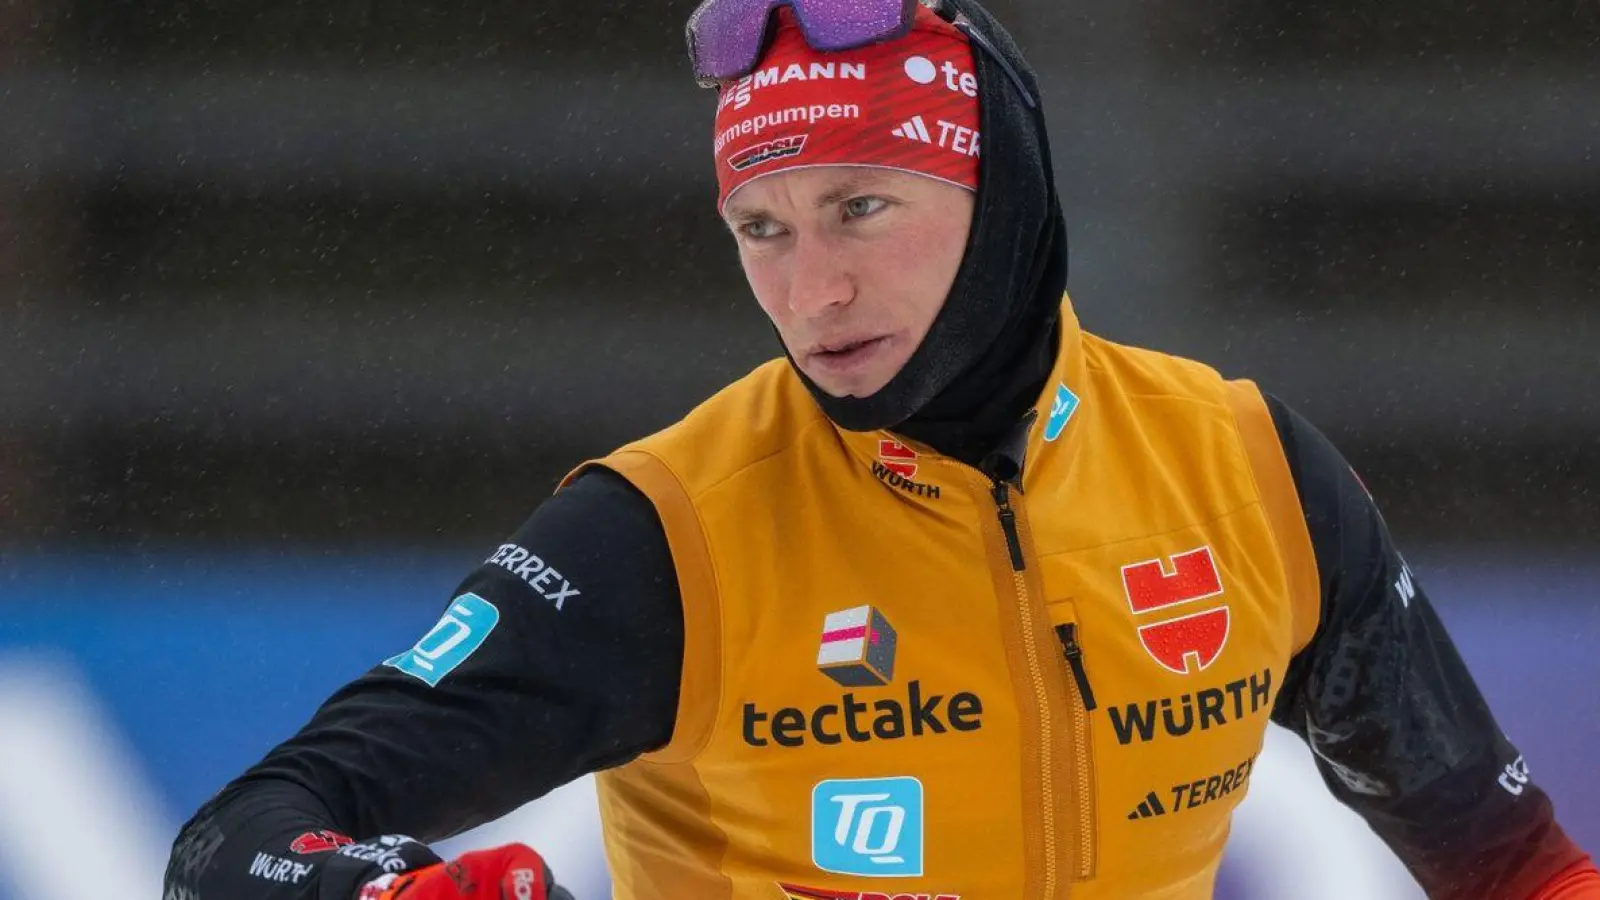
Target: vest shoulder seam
<point>1242,507</point>
<point>1274,518</point>
<point>686,753</point>
<point>800,435</point>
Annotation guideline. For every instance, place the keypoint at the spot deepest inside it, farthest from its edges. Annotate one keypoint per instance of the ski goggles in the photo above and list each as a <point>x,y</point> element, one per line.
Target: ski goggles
<point>726,37</point>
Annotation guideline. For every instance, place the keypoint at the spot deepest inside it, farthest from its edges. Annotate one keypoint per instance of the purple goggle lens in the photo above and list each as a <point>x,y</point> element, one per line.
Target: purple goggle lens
<point>726,36</point>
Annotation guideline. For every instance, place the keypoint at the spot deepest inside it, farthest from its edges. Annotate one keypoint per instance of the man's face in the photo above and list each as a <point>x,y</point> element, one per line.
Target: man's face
<point>852,264</point>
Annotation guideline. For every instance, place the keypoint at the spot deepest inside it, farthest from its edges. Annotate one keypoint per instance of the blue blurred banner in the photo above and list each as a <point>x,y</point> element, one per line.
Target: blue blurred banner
<point>134,686</point>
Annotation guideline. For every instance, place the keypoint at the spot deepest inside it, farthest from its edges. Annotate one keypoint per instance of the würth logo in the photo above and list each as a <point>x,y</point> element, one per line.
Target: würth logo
<point>1202,709</point>
<point>896,466</point>
<point>898,458</point>
<point>1183,644</point>
<point>319,842</point>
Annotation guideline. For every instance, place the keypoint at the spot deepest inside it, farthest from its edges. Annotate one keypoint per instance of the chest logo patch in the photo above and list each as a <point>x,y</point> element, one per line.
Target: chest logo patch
<point>1191,641</point>
<point>897,466</point>
<point>857,648</point>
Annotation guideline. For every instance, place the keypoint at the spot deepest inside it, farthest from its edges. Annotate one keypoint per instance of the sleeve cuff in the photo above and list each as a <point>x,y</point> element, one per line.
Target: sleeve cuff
<point>1579,881</point>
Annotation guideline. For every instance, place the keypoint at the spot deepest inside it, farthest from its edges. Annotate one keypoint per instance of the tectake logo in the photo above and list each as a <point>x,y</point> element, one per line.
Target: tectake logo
<point>868,826</point>
<point>1188,643</point>
<point>857,647</point>
<point>858,650</point>
<point>387,852</point>
<point>1515,777</point>
<point>923,70</point>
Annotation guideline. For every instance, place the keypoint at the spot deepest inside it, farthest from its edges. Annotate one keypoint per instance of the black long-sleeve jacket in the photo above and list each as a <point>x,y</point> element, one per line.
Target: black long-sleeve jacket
<point>1400,732</point>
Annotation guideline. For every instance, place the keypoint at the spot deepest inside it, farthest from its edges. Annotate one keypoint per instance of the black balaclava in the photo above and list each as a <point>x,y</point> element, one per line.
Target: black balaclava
<point>991,347</point>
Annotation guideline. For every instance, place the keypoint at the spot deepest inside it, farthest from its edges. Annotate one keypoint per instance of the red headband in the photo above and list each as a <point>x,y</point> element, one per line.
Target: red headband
<point>908,104</point>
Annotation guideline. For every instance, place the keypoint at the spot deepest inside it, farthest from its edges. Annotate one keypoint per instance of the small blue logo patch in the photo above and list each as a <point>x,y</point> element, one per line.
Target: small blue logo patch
<point>460,631</point>
<point>1066,403</point>
<point>868,826</point>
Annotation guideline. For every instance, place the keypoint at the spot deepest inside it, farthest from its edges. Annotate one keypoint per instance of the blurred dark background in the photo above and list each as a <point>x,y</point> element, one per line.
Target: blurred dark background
<point>378,273</point>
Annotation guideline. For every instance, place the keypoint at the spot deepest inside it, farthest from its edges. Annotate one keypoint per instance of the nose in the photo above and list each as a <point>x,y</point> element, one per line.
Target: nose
<point>819,276</point>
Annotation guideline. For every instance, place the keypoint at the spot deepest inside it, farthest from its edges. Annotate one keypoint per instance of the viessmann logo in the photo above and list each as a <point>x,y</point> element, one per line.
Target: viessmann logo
<point>857,650</point>
<point>738,93</point>
<point>1187,643</point>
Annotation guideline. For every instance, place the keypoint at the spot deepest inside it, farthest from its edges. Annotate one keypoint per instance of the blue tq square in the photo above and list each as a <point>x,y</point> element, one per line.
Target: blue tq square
<point>868,826</point>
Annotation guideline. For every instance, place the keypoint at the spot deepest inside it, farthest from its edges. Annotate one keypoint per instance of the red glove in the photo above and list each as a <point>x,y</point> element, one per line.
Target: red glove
<point>511,872</point>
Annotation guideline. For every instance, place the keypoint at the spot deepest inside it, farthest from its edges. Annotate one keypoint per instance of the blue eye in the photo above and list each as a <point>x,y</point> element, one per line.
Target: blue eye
<point>758,229</point>
<point>856,207</point>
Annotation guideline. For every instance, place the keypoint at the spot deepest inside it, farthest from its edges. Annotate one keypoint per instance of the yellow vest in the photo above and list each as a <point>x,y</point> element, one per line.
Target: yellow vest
<point>881,697</point>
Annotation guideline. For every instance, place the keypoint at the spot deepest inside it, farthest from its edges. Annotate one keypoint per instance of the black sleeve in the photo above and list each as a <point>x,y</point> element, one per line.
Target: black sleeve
<point>559,656</point>
<point>1398,728</point>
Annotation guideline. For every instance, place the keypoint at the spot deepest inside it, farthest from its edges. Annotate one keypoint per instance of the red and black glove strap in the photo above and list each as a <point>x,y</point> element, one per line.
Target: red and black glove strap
<point>510,872</point>
<point>356,863</point>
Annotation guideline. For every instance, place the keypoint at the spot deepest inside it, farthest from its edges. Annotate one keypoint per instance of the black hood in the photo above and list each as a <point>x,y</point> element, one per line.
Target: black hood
<point>988,352</point>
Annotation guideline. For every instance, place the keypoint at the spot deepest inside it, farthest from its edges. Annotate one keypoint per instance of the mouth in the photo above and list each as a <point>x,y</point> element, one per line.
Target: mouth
<point>845,347</point>
<point>840,357</point>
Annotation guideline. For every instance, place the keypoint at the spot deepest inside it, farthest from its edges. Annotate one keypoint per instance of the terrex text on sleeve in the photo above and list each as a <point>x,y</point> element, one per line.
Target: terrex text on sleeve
<point>530,568</point>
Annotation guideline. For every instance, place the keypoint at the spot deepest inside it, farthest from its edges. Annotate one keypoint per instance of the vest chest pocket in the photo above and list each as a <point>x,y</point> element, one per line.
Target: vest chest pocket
<point>1181,694</point>
<point>1077,732</point>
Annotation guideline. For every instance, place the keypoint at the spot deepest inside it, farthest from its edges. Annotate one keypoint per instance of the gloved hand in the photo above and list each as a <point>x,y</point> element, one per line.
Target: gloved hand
<point>510,872</point>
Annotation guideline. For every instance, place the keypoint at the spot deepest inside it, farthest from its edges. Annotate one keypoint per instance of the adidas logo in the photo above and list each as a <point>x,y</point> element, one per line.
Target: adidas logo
<point>1151,806</point>
<point>913,129</point>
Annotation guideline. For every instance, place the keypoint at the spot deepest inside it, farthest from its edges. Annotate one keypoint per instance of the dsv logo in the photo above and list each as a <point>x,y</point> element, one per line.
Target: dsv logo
<point>867,826</point>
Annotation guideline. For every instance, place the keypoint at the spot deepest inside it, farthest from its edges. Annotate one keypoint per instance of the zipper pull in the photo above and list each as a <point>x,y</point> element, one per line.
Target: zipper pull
<point>1068,634</point>
<point>1008,524</point>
